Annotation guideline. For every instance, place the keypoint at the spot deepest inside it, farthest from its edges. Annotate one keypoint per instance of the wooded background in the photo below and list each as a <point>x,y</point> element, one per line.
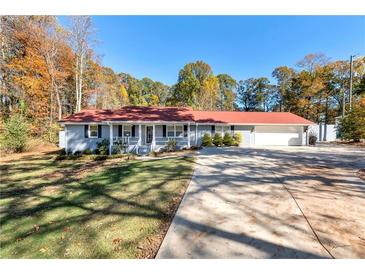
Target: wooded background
<point>48,71</point>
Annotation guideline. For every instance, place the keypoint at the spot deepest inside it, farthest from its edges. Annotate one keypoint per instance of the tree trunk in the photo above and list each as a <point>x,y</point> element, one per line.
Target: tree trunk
<point>80,81</point>
<point>77,83</point>
<point>59,103</point>
<point>325,120</point>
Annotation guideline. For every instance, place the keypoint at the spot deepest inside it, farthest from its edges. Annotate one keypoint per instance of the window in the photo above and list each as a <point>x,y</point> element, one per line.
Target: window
<point>93,131</point>
<point>127,131</point>
<point>170,131</point>
<point>179,131</point>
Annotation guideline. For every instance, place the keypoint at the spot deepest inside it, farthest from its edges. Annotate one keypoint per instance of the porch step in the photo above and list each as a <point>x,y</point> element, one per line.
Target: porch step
<point>143,150</point>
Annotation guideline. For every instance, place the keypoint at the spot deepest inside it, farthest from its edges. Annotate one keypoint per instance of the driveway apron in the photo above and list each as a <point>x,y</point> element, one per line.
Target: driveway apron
<point>235,207</point>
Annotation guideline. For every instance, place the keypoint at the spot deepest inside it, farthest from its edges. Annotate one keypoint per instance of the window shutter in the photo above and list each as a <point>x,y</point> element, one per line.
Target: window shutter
<point>232,129</point>
<point>133,130</point>
<point>120,130</point>
<point>213,129</point>
<point>86,130</point>
<point>164,131</point>
<point>185,130</point>
<point>99,131</point>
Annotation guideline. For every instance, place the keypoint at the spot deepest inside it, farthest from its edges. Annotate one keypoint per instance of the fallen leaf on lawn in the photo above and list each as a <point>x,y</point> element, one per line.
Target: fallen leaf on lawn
<point>19,239</point>
<point>43,249</point>
<point>62,237</point>
<point>36,227</point>
<point>117,240</point>
<point>67,229</point>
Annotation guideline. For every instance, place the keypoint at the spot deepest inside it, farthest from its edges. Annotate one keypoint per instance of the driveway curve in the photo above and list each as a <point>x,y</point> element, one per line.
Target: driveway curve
<point>237,206</point>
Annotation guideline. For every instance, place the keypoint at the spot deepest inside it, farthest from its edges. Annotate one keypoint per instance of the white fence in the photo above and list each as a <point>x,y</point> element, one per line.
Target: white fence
<point>324,132</point>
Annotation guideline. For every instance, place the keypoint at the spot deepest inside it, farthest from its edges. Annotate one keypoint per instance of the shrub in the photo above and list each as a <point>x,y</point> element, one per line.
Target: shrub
<point>15,133</point>
<point>171,145</point>
<point>51,133</point>
<point>118,156</point>
<point>206,140</point>
<point>61,157</point>
<point>87,151</point>
<point>103,147</point>
<point>119,147</point>
<point>217,140</point>
<point>228,139</point>
<point>155,153</point>
<point>100,157</point>
<point>352,126</point>
<point>68,157</point>
<point>312,140</point>
<point>237,139</point>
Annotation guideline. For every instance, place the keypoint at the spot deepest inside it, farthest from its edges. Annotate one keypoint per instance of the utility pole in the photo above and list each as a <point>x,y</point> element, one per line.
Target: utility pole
<point>343,102</point>
<point>350,93</point>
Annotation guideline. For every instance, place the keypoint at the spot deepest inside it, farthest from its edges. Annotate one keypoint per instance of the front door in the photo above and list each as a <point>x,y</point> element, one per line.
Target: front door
<point>149,134</point>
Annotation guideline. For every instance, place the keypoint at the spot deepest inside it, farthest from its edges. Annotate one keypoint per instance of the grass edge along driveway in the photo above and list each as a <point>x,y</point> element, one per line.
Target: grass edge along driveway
<point>83,209</point>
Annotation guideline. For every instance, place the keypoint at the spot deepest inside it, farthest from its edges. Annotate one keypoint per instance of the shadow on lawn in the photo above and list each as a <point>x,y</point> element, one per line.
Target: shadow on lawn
<point>128,189</point>
<point>107,194</point>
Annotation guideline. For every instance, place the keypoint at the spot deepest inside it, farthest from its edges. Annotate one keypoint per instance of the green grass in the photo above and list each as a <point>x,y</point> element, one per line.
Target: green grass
<point>83,209</point>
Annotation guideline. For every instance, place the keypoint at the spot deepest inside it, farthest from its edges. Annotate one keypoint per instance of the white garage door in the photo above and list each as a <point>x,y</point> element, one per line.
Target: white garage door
<point>278,135</point>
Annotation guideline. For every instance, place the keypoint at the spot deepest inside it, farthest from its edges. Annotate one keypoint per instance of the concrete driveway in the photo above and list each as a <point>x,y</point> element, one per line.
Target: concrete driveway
<point>293,202</point>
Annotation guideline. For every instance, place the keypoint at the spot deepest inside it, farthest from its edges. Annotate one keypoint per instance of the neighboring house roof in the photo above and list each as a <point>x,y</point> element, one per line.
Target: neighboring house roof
<point>184,114</point>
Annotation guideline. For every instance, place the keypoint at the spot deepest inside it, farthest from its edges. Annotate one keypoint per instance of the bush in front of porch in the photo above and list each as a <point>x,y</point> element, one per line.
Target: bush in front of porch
<point>228,139</point>
<point>206,140</point>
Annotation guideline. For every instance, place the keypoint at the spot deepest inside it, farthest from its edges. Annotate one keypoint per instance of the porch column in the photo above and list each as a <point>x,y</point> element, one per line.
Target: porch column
<point>188,134</point>
<point>222,131</point>
<point>153,136</point>
<point>196,134</point>
<point>110,138</point>
<point>139,135</point>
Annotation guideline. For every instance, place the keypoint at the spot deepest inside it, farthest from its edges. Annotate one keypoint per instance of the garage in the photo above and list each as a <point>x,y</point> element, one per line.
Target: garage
<point>279,135</point>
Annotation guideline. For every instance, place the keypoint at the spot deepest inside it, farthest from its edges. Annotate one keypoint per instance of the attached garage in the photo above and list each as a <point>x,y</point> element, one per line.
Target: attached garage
<point>279,135</point>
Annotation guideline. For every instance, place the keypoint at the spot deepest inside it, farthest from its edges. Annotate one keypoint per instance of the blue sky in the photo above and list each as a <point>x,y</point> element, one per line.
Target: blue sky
<point>242,46</point>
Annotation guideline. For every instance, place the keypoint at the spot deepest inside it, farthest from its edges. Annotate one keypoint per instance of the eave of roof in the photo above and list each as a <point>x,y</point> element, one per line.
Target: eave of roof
<point>182,114</point>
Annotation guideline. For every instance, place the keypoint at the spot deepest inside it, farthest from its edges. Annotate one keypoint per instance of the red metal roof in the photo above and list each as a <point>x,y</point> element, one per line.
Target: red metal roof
<point>239,117</point>
<point>184,114</point>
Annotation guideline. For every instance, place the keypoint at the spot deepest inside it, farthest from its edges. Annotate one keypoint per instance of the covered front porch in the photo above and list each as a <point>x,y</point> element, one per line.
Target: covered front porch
<point>141,138</point>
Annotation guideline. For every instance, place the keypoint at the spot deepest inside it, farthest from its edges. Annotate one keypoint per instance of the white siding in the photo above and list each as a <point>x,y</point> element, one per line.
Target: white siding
<point>279,135</point>
<point>76,140</point>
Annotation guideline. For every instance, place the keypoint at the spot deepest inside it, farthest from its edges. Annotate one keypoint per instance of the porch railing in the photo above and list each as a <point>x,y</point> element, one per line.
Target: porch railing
<point>125,140</point>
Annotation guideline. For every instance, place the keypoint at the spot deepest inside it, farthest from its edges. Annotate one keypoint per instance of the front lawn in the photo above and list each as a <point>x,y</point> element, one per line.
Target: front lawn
<point>84,209</point>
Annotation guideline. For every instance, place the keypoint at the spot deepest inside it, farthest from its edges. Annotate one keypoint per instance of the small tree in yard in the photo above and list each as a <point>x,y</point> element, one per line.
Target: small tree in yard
<point>206,140</point>
<point>352,126</point>
<point>15,133</point>
<point>237,139</point>
<point>228,140</point>
<point>217,140</point>
<point>171,145</point>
